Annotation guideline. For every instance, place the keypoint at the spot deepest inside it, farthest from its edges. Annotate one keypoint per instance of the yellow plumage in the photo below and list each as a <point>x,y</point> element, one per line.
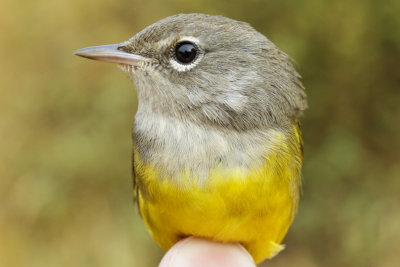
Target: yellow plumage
<point>253,207</point>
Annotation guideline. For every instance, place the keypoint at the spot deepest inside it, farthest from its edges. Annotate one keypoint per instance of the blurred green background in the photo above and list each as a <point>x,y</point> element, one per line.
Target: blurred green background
<point>65,130</point>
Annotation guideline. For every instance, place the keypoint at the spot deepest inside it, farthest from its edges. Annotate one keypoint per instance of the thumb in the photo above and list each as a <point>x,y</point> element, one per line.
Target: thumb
<point>197,252</point>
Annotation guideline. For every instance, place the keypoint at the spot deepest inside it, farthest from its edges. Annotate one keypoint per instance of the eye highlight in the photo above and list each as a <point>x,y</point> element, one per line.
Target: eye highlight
<point>186,52</point>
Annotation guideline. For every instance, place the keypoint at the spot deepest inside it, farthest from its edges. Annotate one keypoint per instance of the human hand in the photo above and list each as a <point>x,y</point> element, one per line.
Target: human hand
<point>197,252</point>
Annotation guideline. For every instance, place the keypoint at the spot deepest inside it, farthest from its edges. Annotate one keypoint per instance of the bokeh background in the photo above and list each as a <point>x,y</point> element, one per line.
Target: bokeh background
<point>65,130</point>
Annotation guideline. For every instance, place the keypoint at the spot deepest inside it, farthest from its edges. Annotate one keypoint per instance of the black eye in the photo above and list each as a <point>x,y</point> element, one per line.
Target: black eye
<point>186,52</point>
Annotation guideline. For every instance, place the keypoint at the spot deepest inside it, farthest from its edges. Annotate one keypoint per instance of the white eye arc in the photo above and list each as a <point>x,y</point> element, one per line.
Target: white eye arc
<point>189,54</point>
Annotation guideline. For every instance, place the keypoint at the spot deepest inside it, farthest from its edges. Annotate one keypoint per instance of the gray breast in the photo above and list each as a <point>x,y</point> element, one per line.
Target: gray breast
<point>172,146</point>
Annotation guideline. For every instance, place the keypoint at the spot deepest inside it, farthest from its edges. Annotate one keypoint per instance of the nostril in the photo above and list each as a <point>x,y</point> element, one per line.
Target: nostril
<point>123,48</point>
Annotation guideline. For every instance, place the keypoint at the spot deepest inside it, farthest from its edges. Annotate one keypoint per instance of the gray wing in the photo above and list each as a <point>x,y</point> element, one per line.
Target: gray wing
<point>135,186</point>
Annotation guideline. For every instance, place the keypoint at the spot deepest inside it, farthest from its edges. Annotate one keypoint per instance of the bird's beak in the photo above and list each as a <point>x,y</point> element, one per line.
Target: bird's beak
<point>114,53</point>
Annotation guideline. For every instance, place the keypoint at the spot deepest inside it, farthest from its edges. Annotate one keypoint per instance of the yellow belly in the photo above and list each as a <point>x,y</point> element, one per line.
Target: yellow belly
<point>253,207</point>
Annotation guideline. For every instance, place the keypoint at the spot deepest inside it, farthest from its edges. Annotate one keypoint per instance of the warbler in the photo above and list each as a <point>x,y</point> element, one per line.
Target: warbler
<point>217,147</point>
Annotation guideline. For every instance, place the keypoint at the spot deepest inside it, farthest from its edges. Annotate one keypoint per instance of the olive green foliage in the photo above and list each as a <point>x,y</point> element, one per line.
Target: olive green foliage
<point>65,130</point>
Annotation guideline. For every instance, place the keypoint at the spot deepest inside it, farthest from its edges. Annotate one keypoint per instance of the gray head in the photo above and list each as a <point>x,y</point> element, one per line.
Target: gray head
<point>209,70</point>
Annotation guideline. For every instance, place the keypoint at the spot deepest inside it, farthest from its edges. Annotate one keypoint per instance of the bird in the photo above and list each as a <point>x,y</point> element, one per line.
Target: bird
<point>217,145</point>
